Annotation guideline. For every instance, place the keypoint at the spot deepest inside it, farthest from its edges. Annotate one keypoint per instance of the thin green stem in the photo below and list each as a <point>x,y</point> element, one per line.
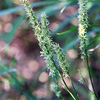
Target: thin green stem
<point>66,86</point>
<point>63,81</point>
<point>90,75</point>
<point>84,81</point>
<point>73,87</point>
<point>61,77</point>
<point>59,88</point>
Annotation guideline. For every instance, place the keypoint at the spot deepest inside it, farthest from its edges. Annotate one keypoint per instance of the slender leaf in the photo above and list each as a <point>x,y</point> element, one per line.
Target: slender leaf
<point>62,10</point>
<point>51,8</point>
<point>76,40</point>
<point>75,29</point>
<point>97,17</point>
<point>30,96</point>
<point>84,81</point>
<point>15,27</point>
<point>72,30</point>
<point>91,96</point>
<point>16,9</point>
<point>65,22</point>
<point>94,39</point>
<point>37,79</point>
<point>4,71</point>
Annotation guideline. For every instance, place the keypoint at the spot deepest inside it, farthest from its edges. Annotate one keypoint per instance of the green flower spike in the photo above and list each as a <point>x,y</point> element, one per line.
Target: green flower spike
<point>43,35</point>
<point>83,24</point>
<point>62,60</point>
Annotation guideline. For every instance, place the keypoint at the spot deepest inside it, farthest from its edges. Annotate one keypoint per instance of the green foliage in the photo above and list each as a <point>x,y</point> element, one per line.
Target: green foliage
<point>68,35</point>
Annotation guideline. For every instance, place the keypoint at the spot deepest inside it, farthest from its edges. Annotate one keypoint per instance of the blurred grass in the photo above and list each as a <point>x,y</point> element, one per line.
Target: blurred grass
<point>52,8</point>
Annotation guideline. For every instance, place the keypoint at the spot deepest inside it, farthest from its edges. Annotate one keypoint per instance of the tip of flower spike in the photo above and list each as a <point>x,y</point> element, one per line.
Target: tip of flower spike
<point>43,15</point>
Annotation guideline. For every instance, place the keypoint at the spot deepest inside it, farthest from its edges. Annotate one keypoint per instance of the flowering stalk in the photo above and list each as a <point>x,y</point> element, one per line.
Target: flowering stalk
<point>63,65</point>
<point>46,45</point>
<point>83,24</point>
<point>42,33</point>
<point>51,47</point>
<point>61,59</point>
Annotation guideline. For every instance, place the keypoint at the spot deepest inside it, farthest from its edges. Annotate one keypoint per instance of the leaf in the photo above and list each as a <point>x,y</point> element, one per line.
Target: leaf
<point>76,29</point>
<point>84,80</point>
<point>37,79</point>
<point>91,96</point>
<point>4,71</point>
<point>70,45</point>
<point>65,22</point>
<point>94,25</point>
<point>16,9</point>
<point>97,17</point>
<point>72,30</point>
<point>15,27</point>
<point>30,96</point>
<point>76,40</point>
<point>10,11</point>
<point>8,3</point>
<point>50,9</point>
<point>94,39</point>
<point>62,10</point>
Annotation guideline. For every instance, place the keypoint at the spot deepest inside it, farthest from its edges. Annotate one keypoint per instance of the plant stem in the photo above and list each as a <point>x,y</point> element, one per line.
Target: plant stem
<point>59,88</point>
<point>74,88</point>
<point>61,76</point>
<point>90,75</point>
<point>63,80</point>
<point>84,81</point>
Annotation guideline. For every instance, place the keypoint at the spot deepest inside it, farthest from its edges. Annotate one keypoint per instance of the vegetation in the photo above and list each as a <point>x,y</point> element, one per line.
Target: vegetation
<point>70,78</point>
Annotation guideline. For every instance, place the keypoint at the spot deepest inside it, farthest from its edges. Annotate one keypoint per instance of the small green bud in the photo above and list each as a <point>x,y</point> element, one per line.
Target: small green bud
<point>56,89</point>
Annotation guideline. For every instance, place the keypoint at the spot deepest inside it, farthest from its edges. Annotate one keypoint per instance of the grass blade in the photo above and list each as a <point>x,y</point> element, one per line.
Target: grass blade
<point>94,39</point>
<point>65,22</point>
<point>16,25</point>
<point>6,71</point>
<point>16,9</point>
<point>76,29</point>
<point>62,10</point>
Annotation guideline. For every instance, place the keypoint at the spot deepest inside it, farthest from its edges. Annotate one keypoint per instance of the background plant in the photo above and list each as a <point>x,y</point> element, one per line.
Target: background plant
<point>67,44</point>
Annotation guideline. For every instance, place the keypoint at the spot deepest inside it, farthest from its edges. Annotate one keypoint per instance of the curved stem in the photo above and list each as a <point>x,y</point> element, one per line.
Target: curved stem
<point>63,80</point>
<point>90,75</point>
<point>74,87</point>
<point>66,86</point>
<point>59,88</point>
<point>85,81</point>
<point>62,77</point>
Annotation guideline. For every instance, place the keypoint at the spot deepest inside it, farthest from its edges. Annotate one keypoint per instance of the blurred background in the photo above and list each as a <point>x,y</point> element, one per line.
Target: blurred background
<point>23,74</point>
